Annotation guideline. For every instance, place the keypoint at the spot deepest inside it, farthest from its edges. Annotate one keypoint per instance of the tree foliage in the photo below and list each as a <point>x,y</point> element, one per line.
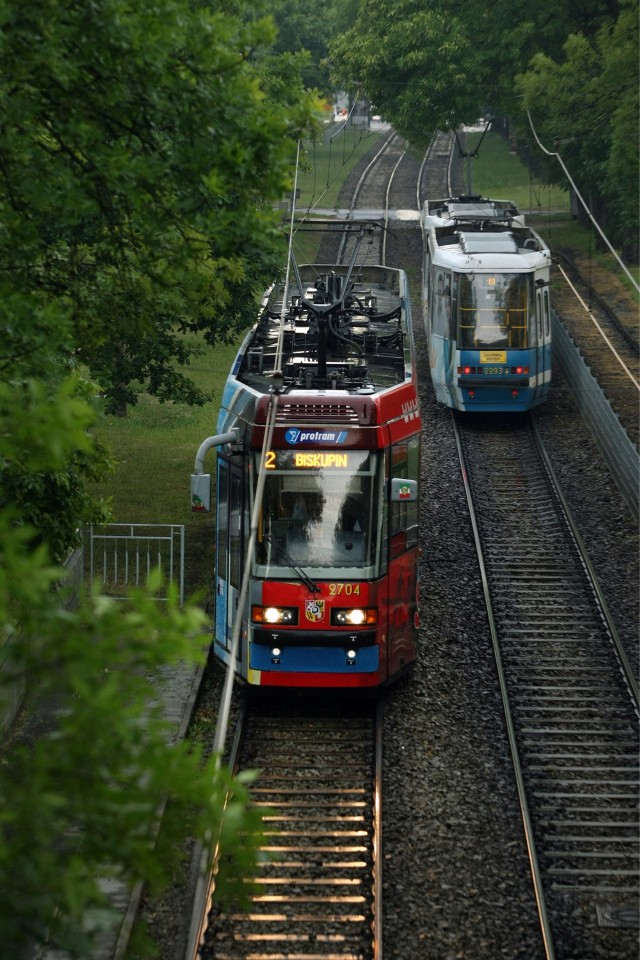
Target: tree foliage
<point>411,59</point>
<point>304,31</point>
<point>140,156</point>
<point>448,63</point>
<point>79,803</point>
<point>141,152</point>
<point>431,65</point>
<point>585,105</point>
<point>44,480</point>
<point>139,160</point>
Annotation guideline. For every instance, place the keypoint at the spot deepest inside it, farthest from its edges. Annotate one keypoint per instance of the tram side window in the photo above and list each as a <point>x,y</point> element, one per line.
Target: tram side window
<point>516,309</point>
<point>468,307</point>
<point>426,278</point>
<point>405,463</point>
<point>235,528</point>
<point>441,302</point>
<point>222,519</point>
<point>535,307</point>
<point>547,315</point>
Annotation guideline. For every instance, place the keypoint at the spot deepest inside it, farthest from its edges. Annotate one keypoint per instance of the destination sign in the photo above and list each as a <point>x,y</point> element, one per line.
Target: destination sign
<point>308,460</point>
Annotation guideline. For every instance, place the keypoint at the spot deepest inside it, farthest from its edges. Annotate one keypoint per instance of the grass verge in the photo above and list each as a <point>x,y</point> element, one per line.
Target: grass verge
<point>499,173</point>
<point>154,449</point>
<point>324,165</point>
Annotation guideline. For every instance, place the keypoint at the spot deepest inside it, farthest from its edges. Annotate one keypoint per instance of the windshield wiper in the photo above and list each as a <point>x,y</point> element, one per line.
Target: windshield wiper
<point>299,572</point>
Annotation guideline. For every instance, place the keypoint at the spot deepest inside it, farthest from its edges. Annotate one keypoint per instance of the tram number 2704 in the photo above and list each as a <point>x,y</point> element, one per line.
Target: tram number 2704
<point>344,589</point>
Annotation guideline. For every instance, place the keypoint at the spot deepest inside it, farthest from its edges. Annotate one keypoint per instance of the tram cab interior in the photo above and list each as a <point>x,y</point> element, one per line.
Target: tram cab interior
<point>322,520</point>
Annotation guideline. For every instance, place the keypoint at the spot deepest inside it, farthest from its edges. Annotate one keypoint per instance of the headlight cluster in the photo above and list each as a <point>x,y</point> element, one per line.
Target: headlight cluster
<point>340,617</point>
<point>274,615</point>
<point>354,617</point>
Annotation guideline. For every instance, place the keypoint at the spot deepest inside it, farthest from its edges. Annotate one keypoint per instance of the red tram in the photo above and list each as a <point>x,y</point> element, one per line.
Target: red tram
<point>318,474</point>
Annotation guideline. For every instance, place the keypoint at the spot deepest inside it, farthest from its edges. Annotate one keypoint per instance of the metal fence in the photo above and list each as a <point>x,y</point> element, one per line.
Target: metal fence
<point>610,435</point>
<point>122,555</point>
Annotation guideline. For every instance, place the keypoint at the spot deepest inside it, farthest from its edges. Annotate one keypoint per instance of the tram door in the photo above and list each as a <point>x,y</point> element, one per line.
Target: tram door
<point>229,547</point>
<point>546,323</point>
<point>542,349</point>
<point>403,562</point>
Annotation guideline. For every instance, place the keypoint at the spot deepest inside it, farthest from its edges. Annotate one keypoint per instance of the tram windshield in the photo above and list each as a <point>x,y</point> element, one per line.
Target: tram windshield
<point>321,510</point>
<point>494,311</point>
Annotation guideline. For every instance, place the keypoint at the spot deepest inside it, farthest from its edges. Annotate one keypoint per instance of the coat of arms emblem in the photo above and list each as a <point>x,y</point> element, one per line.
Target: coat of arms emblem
<point>314,610</point>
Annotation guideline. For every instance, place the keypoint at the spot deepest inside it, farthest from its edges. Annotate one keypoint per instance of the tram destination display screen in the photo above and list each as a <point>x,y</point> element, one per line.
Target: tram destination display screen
<point>312,460</point>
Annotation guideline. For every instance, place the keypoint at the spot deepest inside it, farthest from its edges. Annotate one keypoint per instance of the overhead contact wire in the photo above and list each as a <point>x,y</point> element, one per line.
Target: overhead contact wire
<point>583,202</point>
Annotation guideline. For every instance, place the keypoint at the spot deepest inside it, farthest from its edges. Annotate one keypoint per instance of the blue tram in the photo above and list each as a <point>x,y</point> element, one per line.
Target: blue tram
<point>317,485</point>
<point>486,304</point>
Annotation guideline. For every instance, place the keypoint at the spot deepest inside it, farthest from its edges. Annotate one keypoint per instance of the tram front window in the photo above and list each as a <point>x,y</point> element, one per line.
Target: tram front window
<point>320,509</point>
<point>493,311</point>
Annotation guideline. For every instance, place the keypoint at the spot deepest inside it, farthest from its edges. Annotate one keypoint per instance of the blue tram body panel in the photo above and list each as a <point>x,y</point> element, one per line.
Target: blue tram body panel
<point>317,496</point>
<point>486,305</point>
<point>320,659</point>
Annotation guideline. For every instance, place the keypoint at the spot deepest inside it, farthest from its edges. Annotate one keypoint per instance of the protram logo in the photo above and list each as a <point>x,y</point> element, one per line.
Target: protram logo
<point>294,436</point>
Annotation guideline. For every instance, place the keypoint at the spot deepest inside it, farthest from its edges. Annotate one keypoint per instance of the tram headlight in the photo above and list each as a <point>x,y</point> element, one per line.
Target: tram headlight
<point>271,615</point>
<point>354,617</point>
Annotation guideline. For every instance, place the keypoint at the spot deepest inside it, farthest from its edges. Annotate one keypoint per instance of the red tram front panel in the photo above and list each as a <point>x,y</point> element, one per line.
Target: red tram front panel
<point>318,650</point>
<point>348,615</point>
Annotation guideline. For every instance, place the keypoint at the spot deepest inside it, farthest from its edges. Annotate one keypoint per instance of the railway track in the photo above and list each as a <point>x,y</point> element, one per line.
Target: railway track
<point>570,698</point>
<point>320,886</point>
<point>439,176</point>
<point>371,193</point>
<point>318,889</point>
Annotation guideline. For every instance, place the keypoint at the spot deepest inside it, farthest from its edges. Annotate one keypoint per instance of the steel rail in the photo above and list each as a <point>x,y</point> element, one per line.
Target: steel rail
<point>527,822</point>
<point>383,251</point>
<point>377,833</point>
<point>205,885</point>
<point>360,184</point>
<point>320,811</point>
<point>550,625</point>
<point>602,333</point>
<point>625,665</point>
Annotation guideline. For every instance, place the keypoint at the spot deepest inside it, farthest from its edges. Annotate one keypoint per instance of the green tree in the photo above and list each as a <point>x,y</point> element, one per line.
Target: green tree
<point>411,59</point>
<point>304,29</point>
<point>139,162</point>
<point>585,105</point>
<point>78,805</point>
<point>50,495</point>
<point>434,64</point>
<point>141,151</point>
